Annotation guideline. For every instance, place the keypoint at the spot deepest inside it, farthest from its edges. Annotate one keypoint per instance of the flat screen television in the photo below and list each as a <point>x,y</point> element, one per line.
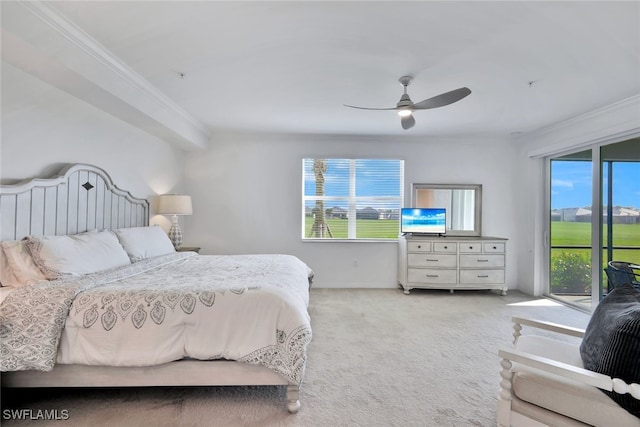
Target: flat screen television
<point>423,220</point>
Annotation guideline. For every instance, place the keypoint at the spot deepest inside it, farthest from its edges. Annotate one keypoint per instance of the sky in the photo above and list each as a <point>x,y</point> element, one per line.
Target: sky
<point>571,184</point>
<point>373,177</point>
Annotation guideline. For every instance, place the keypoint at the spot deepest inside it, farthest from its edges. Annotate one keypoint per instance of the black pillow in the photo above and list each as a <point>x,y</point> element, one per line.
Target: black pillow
<point>611,344</point>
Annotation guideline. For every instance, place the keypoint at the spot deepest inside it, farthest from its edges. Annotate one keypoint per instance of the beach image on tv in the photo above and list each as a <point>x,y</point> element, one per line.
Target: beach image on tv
<point>423,220</point>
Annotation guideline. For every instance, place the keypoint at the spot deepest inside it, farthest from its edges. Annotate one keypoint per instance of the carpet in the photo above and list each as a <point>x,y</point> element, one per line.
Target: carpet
<point>378,358</point>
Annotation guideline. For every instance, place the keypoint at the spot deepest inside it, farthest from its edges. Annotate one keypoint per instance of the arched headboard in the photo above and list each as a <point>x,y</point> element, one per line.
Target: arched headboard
<point>81,198</point>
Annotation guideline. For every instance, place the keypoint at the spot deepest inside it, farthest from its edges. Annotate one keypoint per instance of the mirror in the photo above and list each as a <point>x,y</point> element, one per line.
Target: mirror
<point>463,203</point>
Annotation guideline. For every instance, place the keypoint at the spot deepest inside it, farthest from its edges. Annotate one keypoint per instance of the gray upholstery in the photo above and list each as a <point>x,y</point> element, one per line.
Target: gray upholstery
<point>611,344</point>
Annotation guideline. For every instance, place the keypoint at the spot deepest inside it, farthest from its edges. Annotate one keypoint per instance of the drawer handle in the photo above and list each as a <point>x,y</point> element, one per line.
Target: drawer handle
<point>482,260</point>
<point>446,247</point>
<point>420,247</point>
<point>431,275</point>
<point>483,277</point>
<point>495,247</point>
<point>431,260</point>
<point>470,247</point>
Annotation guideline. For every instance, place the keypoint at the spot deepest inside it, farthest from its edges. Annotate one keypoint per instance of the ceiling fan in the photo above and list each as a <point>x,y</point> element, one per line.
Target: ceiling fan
<point>406,107</point>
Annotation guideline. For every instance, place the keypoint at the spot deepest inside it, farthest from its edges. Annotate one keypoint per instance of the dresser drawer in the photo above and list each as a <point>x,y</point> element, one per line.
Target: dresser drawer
<point>481,276</point>
<point>425,275</point>
<point>470,247</point>
<point>481,261</point>
<point>419,247</point>
<point>432,260</point>
<point>493,247</point>
<point>449,247</point>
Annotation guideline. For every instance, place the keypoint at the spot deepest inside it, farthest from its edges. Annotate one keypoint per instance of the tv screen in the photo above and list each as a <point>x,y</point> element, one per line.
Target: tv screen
<point>423,220</point>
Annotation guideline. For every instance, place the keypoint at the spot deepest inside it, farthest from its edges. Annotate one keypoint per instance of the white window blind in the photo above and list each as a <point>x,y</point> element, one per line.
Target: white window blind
<point>352,198</point>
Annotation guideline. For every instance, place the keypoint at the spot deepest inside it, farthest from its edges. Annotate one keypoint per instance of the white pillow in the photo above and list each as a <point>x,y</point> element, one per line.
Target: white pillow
<point>60,256</point>
<point>144,242</point>
<point>16,265</point>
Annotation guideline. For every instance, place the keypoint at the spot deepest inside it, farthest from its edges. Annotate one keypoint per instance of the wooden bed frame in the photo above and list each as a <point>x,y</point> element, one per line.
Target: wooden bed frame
<point>82,198</point>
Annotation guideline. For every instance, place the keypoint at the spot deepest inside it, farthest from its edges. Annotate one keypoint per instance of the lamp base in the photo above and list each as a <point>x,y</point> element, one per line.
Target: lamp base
<point>175,235</point>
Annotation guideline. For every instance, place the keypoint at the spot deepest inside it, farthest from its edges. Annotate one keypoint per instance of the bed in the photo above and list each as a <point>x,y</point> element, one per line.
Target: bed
<point>103,300</point>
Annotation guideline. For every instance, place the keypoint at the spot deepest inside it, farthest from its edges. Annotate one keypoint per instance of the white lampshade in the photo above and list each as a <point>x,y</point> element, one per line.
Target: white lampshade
<point>174,204</point>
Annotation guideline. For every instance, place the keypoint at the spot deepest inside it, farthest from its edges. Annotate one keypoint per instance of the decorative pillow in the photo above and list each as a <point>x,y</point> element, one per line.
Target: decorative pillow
<point>7,278</point>
<point>19,270</point>
<point>60,256</point>
<point>611,344</point>
<point>144,242</point>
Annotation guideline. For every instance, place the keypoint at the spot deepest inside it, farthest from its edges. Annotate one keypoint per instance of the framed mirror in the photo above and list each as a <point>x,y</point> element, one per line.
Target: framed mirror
<point>463,203</point>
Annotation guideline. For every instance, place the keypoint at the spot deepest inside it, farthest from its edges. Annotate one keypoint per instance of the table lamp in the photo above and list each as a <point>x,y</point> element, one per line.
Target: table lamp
<point>175,204</point>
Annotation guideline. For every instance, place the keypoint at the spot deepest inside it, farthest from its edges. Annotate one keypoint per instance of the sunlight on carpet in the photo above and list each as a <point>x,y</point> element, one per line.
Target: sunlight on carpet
<point>544,302</point>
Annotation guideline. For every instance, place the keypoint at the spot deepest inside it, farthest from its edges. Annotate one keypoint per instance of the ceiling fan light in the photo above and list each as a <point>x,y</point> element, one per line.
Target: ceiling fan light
<point>405,112</point>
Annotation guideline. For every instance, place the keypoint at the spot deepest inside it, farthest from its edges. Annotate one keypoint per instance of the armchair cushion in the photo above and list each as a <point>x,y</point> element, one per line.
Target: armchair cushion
<point>572,399</point>
<point>611,343</point>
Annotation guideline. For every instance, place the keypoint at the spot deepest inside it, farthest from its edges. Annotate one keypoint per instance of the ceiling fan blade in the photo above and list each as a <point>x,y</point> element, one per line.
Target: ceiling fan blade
<point>407,122</point>
<point>367,108</point>
<point>442,99</point>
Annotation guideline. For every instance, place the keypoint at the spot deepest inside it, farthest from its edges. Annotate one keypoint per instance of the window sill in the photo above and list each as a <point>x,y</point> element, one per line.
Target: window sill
<point>349,240</point>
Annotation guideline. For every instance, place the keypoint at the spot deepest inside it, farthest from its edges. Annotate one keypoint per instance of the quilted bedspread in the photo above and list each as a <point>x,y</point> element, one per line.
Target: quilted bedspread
<point>249,308</point>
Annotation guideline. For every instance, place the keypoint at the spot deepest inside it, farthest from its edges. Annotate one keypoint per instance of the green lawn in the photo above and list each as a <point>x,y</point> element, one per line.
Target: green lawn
<point>570,268</point>
<point>579,233</point>
<point>563,233</point>
<point>365,228</point>
<point>570,233</point>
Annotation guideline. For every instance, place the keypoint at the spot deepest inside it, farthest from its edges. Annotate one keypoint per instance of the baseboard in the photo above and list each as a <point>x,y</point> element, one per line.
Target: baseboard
<point>355,285</point>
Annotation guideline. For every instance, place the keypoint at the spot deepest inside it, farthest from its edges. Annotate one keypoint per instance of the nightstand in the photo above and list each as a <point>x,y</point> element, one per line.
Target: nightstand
<point>189,249</point>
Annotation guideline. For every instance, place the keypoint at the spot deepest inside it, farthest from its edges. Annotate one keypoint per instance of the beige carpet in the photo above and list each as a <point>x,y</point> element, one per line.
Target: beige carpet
<point>378,358</point>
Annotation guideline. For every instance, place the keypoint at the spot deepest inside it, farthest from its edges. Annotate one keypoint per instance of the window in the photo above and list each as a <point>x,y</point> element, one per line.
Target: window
<point>352,198</point>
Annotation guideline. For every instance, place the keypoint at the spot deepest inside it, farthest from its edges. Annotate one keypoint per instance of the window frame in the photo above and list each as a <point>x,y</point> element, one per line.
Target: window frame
<point>352,200</point>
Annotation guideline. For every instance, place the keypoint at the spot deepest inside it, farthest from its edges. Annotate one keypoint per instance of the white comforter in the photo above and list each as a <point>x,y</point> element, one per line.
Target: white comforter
<point>250,308</point>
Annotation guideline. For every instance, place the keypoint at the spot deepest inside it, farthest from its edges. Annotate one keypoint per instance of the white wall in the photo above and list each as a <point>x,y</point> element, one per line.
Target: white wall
<point>44,128</point>
<point>247,197</point>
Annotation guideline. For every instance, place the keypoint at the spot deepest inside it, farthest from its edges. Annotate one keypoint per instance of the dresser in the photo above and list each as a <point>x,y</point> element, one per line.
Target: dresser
<point>454,263</point>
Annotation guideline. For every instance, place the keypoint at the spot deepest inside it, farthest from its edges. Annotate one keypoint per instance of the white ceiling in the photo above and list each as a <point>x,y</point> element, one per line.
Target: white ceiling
<point>289,67</point>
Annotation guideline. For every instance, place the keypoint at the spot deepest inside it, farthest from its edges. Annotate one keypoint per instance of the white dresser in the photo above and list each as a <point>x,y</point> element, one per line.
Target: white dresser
<point>452,263</point>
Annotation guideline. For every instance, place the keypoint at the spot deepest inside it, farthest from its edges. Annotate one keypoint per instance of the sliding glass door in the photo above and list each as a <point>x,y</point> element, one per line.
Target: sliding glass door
<point>570,236</point>
<point>585,236</point>
<point>620,165</point>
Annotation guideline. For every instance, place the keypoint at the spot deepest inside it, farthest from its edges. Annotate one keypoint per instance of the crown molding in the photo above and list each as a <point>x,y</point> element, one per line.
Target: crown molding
<point>632,101</point>
<point>611,123</point>
<point>197,132</point>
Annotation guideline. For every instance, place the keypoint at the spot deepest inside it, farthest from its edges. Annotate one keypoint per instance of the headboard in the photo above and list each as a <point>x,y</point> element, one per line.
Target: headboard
<point>81,198</point>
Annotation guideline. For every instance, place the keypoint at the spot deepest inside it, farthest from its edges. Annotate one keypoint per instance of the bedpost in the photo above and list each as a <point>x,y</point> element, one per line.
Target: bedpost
<point>293,398</point>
